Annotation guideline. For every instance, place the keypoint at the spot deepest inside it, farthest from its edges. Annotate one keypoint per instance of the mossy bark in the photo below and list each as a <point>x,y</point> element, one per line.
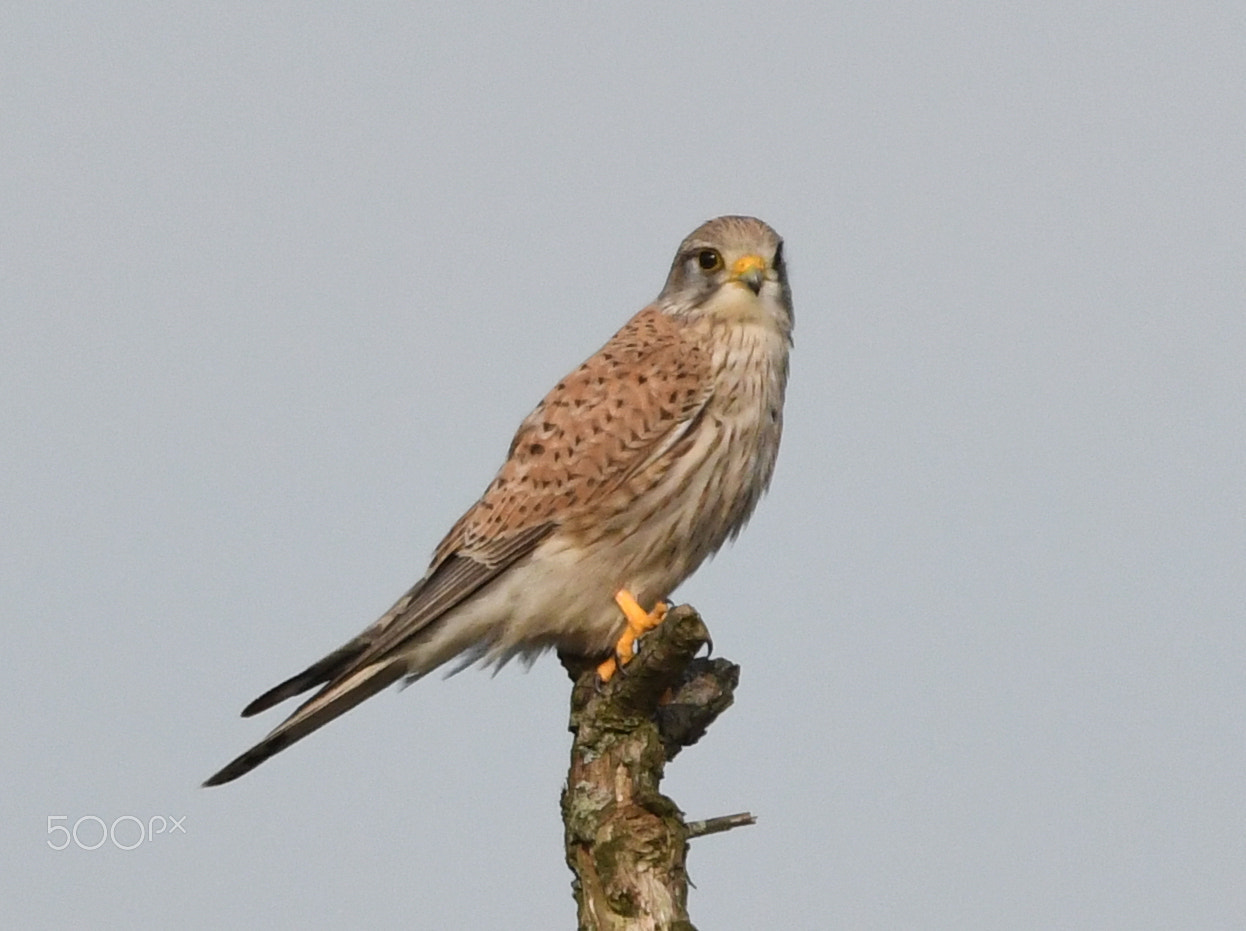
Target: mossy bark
<point>625,841</point>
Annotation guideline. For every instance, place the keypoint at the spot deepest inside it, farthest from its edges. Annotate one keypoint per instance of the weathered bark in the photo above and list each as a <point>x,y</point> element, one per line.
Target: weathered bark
<point>625,841</point>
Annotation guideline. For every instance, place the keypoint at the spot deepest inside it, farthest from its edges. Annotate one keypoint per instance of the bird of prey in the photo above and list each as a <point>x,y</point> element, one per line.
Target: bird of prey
<point>637,466</point>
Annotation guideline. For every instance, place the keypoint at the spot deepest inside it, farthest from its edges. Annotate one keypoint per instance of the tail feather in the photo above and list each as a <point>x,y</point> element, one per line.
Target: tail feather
<point>333,700</point>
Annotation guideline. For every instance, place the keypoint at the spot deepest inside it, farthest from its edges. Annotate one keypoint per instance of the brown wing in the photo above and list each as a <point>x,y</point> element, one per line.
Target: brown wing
<point>622,408</point>
<point>609,420</point>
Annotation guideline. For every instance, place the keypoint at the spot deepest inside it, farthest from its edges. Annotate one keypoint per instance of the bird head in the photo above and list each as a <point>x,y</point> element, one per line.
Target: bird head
<point>730,269</point>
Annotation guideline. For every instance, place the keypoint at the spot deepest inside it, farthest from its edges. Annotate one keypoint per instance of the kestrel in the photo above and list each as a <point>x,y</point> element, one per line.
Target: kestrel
<point>636,467</point>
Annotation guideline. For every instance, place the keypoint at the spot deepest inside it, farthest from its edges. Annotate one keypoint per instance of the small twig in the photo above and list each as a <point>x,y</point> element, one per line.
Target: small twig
<point>719,824</point>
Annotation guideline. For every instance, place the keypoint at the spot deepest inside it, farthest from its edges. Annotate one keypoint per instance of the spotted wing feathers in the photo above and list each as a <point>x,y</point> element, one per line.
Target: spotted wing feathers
<point>577,456</point>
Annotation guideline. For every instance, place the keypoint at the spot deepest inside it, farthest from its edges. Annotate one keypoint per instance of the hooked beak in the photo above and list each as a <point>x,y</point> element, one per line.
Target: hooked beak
<point>750,271</point>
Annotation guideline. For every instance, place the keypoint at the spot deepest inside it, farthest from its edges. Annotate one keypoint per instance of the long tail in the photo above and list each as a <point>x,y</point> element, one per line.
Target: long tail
<point>382,654</point>
<point>336,698</point>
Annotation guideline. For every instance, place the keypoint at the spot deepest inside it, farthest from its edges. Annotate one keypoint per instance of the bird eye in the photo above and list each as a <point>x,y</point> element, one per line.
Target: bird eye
<point>709,260</point>
<point>778,255</point>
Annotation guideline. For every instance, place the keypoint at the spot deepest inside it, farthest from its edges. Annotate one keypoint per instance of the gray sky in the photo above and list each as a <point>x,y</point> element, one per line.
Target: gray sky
<point>277,286</point>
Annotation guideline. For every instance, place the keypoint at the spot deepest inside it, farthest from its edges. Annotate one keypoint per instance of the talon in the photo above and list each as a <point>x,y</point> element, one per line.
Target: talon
<point>638,622</point>
<point>606,670</point>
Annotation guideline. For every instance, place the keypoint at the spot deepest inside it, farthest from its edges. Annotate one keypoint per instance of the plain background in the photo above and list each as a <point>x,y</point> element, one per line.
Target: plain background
<point>277,283</point>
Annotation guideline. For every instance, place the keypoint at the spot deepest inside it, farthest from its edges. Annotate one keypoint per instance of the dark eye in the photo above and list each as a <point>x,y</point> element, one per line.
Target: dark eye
<point>778,256</point>
<point>709,260</point>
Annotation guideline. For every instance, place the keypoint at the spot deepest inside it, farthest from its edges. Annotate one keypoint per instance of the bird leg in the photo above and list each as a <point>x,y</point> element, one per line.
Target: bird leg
<point>638,622</point>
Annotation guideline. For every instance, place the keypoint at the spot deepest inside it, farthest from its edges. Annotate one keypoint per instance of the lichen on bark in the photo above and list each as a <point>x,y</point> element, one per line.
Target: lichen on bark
<point>627,843</point>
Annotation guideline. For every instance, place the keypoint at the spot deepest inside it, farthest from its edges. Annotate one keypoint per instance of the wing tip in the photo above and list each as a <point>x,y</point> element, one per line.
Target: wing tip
<point>333,700</point>
<point>324,670</point>
<point>273,696</point>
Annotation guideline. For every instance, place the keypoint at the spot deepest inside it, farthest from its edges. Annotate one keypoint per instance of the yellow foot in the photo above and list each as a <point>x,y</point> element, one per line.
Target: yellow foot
<point>638,622</point>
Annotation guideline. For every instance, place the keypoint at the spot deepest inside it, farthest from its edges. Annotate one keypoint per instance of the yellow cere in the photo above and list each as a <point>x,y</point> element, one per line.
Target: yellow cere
<point>748,263</point>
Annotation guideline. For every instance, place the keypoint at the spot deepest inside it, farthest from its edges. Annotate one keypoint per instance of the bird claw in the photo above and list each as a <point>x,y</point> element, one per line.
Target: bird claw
<point>639,622</point>
<point>615,664</point>
<point>621,664</point>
